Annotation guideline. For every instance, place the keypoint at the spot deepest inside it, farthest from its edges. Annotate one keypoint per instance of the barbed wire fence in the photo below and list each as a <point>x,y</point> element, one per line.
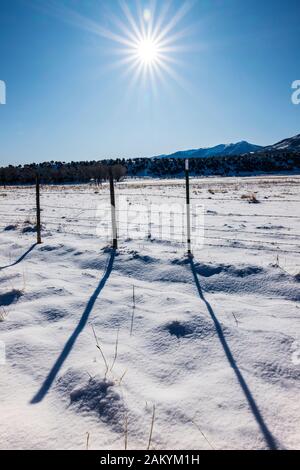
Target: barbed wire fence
<point>140,214</point>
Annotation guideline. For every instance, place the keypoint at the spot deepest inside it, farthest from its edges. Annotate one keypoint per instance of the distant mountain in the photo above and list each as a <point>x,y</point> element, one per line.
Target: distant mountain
<point>287,145</point>
<point>222,150</point>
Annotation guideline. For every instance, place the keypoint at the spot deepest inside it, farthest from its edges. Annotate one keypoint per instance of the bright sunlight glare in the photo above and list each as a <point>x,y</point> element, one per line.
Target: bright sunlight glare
<point>149,39</point>
<point>148,51</point>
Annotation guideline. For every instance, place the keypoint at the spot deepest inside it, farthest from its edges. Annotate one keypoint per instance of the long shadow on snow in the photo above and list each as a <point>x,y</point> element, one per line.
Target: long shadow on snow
<point>20,259</point>
<point>40,395</point>
<point>270,440</point>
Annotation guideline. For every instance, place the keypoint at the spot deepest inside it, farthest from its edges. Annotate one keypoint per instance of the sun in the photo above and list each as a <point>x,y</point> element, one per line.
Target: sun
<point>148,38</point>
<point>148,41</point>
<point>148,51</point>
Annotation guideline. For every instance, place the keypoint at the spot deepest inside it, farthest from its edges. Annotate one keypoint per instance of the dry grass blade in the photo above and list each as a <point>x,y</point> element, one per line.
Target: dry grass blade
<point>116,350</point>
<point>151,429</point>
<point>3,314</point>
<point>103,357</point>
<point>126,431</point>
<point>122,377</point>
<point>236,320</point>
<point>87,440</point>
<point>132,322</point>
<point>202,433</point>
<point>133,310</point>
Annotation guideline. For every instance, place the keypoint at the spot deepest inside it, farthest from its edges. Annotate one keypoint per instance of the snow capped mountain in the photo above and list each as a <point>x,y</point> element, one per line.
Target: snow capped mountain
<point>238,148</point>
<point>291,145</point>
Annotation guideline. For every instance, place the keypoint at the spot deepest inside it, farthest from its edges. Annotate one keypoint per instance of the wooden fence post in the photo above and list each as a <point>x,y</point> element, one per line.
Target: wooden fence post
<point>38,210</point>
<point>188,207</point>
<point>113,210</point>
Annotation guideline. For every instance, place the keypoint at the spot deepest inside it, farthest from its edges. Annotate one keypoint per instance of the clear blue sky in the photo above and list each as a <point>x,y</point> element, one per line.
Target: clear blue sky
<point>69,96</point>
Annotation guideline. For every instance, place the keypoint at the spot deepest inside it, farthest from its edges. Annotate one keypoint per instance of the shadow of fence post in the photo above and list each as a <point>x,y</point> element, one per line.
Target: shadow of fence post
<point>72,339</point>
<point>269,439</point>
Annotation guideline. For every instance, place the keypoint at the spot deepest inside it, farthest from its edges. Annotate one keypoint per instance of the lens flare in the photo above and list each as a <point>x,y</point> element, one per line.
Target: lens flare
<point>147,38</point>
<point>147,15</point>
<point>148,41</point>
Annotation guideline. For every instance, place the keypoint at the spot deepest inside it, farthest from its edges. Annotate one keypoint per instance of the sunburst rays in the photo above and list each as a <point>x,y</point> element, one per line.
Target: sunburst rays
<point>146,37</point>
<point>149,39</point>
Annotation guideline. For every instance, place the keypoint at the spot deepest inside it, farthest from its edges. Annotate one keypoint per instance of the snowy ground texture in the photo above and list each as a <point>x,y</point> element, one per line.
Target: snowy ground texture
<point>212,342</point>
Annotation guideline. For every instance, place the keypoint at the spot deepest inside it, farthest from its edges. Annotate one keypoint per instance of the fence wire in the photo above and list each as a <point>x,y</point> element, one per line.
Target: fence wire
<point>22,212</point>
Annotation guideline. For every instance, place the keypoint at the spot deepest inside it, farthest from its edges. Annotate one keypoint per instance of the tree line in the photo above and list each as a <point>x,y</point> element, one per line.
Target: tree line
<point>60,172</point>
<point>84,172</point>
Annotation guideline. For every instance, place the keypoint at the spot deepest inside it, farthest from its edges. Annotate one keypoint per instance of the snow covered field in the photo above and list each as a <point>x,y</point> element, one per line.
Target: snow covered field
<point>95,339</point>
